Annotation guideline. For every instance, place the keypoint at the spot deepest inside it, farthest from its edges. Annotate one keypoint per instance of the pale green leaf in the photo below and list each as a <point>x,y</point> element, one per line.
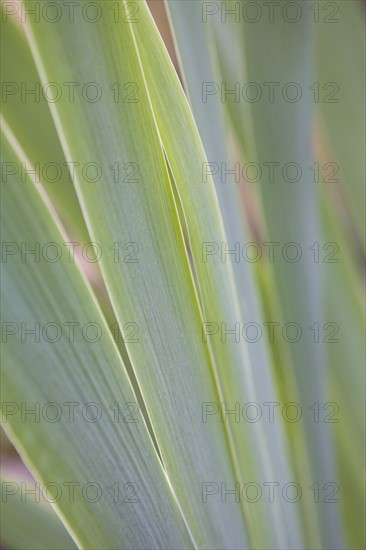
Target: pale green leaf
<point>171,363</point>
<point>109,452</point>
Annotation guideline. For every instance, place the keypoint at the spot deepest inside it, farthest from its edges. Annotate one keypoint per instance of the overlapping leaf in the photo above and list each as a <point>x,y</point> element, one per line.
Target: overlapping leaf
<point>51,372</point>
<point>216,372</point>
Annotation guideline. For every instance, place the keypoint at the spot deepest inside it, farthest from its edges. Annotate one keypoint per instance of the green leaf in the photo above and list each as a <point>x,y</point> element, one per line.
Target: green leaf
<point>171,363</point>
<point>152,214</point>
<point>176,370</point>
<point>111,452</point>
